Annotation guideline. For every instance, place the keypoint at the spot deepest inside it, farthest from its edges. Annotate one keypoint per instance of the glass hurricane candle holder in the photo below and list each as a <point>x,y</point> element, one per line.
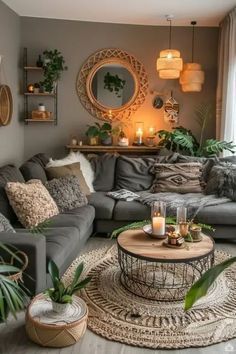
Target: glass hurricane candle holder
<point>139,133</point>
<point>181,219</point>
<point>158,215</point>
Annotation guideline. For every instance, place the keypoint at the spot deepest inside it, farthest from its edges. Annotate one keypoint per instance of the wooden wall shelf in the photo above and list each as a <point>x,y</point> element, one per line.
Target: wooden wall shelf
<point>148,150</point>
<point>39,94</point>
<point>33,68</point>
<point>40,120</point>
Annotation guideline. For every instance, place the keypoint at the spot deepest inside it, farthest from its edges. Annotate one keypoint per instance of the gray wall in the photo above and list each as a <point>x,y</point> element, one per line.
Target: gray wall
<point>78,40</point>
<point>11,136</point>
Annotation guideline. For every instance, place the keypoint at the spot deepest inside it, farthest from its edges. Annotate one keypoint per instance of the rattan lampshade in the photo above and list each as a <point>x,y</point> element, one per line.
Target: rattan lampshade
<point>169,65</point>
<point>192,77</point>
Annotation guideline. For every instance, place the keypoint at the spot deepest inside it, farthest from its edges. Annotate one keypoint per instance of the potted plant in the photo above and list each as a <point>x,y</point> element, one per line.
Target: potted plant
<point>53,65</point>
<point>61,294</point>
<point>98,132</point>
<point>13,294</point>
<point>183,140</point>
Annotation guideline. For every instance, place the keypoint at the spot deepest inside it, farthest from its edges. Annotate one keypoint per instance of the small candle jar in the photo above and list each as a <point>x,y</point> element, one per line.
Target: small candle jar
<point>195,232</point>
<point>158,218</point>
<point>139,133</point>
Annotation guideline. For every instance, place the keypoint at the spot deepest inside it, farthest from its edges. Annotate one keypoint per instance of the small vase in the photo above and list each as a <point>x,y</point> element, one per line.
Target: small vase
<point>93,140</point>
<point>60,308</point>
<point>107,141</point>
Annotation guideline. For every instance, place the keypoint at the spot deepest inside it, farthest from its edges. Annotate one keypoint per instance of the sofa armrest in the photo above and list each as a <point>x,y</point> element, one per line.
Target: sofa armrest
<point>35,248</point>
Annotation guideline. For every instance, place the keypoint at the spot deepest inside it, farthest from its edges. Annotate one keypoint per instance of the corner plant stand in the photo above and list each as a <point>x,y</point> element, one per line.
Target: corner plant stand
<point>50,329</point>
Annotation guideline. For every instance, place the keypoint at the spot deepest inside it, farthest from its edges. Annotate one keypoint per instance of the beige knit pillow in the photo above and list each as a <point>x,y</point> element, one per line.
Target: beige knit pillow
<point>31,202</point>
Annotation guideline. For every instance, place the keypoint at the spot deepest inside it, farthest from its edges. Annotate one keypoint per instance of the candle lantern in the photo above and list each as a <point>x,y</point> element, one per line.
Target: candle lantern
<point>138,133</point>
<point>150,140</point>
<point>181,221</point>
<point>158,219</point>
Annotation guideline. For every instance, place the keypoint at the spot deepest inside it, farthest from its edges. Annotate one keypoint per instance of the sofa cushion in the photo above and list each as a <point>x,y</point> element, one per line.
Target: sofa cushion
<point>72,169</point>
<point>177,178</point>
<point>33,170</point>
<point>5,224</point>
<point>31,202</point>
<point>103,205</point>
<point>66,193</point>
<point>8,173</point>
<point>133,173</point>
<point>81,218</point>
<point>222,181</point>
<point>104,169</point>
<point>218,214</point>
<point>40,158</point>
<point>60,242</point>
<point>131,211</point>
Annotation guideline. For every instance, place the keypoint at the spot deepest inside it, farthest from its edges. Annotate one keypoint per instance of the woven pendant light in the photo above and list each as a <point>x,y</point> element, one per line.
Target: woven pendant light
<point>192,77</point>
<point>169,64</point>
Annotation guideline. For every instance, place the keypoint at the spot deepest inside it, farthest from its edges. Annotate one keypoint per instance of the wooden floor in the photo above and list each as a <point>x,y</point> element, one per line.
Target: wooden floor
<point>13,339</point>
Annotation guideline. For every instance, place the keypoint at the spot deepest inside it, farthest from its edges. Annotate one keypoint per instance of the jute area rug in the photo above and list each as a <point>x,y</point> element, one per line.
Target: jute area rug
<point>118,315</point>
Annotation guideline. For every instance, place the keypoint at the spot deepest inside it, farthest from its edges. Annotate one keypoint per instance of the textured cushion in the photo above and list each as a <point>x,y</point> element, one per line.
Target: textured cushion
<point>104,168</point>
<point>178,178</point>
<point>8,173</point>
<point>103,205</point>
<point>66,192</point>
<point>207,163</point>
<point>222,181</point>
<point>69,170</point>
<point>133,173</point>
<point>31,202</point>
<point>33,170</point>
<point>5,224</point>
<point>81,218</point>
<point>41,159</point>
<point>85,166</point>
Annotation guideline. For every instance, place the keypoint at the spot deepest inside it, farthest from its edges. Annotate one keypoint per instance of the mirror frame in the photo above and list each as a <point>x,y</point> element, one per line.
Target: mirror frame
<point>89,69</point>
<point>7,103</point>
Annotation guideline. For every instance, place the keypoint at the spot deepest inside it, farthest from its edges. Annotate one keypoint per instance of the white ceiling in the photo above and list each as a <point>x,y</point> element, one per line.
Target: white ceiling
<point>143,12</point>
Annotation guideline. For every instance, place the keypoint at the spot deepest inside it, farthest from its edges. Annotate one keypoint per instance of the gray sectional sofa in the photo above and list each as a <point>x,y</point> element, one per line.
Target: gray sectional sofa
<point>68,232</point>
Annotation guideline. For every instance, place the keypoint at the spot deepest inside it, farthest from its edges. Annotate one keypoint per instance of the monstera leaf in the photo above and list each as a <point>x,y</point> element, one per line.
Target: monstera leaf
<point>214,147</point>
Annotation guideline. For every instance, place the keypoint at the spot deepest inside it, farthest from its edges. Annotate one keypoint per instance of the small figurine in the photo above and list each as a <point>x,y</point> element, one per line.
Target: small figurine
<point>73,141</point>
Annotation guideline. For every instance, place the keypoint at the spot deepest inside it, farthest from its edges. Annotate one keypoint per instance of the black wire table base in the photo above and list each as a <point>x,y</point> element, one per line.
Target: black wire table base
<point>161,280</point>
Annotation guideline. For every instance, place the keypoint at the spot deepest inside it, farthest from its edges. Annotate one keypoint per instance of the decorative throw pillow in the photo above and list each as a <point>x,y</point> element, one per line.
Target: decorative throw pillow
<point>104,167</point>
<point>178,178</point>
<point>222,181</point>
<point>31,202</point>
<point>66,192</point>
<point>69,170</point>
<point>85,166</point>
<point>5,224</point>
<point>207,163</point>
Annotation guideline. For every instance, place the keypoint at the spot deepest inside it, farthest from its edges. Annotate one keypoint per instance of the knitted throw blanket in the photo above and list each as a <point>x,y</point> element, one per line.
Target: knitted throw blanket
<point>193,201</point>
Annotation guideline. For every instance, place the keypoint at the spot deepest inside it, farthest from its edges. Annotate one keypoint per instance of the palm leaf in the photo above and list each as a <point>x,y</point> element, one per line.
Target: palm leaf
<point>200,288</point>
<point>40,228</point>
<point>4,268</point>
<point>10,252</point>
<point>214,147</point>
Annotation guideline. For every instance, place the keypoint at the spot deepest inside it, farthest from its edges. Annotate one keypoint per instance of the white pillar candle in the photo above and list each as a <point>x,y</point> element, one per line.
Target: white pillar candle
<point>158,225</point>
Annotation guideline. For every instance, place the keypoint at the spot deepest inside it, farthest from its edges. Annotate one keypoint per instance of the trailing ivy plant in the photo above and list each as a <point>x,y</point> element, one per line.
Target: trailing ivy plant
<point>182,140</point>
<point>53,66</point>
<point>114,83</point>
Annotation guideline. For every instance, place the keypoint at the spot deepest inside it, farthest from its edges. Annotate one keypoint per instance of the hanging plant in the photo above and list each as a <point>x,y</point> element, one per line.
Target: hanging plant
<point>53,66</point>
<point>114,84</point>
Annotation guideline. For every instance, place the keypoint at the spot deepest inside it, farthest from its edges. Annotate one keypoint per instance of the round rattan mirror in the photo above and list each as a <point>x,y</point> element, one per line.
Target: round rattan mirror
<point>6,105</point>
<point>112,84</point>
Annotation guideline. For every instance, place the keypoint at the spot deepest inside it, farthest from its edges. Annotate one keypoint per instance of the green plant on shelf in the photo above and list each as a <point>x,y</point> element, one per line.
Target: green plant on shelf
<point>53,66</point>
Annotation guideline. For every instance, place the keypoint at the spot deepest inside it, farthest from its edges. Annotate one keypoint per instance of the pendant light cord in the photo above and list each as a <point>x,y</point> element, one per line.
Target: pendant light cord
<point>193,23</point>
<point>170,33</point>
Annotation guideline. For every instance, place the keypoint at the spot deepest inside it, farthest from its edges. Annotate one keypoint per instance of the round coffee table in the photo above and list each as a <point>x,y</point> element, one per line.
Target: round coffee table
<point>151,270</point>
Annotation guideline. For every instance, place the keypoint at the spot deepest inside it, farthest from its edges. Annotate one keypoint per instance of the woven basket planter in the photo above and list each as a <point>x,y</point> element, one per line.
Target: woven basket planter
<point>52,335</point>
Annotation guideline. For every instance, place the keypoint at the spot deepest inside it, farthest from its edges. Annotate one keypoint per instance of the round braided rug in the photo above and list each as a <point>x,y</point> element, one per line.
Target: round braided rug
<point>118,315</point>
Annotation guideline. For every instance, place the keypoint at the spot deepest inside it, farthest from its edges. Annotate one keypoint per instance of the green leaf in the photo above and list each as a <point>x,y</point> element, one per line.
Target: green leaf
<point>8,269</point>
<point>66,299</point>
<point>106,126</point>
<point>2,306</point>
<point>214,147</point>
<point>54,272</point>
<point>82,284</point>
<point>10,252</point>
<point>200,288</point>
<point>77,275</point>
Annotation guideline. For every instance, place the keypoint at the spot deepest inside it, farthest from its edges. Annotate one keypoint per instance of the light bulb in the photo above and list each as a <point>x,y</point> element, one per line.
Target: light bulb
<point>169,55</point>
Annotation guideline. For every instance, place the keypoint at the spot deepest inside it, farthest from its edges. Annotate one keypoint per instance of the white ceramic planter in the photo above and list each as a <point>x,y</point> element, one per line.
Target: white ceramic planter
<point>60,308</point>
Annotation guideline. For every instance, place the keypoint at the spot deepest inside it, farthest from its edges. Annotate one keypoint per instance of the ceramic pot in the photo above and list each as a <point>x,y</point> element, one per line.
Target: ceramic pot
<point>107,141</point>
<point>60,308</point>
<point>93,140</point>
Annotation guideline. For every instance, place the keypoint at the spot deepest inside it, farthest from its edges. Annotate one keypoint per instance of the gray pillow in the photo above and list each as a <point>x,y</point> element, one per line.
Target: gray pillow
<point>5,225</point>
<point>66,193</point>
<point>133,173</point>
<point>104,171</point>
<point>32,170</point>
<point>222,181</point>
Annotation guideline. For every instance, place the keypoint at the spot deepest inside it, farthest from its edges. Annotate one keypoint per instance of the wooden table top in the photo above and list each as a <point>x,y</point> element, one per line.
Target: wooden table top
<point>141,245</point>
